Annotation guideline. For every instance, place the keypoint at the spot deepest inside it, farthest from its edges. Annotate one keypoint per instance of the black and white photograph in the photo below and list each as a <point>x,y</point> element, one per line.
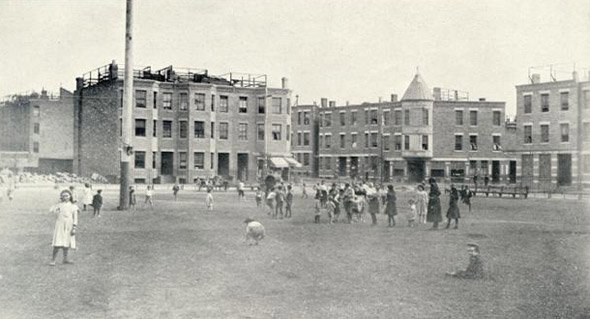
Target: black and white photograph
<point>294,159</point>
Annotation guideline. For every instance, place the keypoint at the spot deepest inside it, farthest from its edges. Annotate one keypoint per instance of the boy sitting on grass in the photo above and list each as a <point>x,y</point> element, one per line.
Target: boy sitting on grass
<point>474,269</point>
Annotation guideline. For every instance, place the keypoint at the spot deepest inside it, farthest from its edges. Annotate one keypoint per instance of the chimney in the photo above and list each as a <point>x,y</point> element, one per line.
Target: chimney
<point>324,102</point>
<point>285,83</point>
<point>436,92</point>
<point>482,99</point>
<point>535,78</point>
<point>332,103</point>
<point>79,83</point>
<point>394,98</point>
<point>575,76</point>
<point>456,95</point>
<point>347,103</point>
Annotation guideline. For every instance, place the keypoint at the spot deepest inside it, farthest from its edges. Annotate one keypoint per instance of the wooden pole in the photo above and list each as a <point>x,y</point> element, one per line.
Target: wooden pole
<point>126,150</point>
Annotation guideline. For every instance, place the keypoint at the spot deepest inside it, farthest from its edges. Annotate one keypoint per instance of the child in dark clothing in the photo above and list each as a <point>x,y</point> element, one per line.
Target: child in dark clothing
<point>97,203</point>
<point>288,202</point>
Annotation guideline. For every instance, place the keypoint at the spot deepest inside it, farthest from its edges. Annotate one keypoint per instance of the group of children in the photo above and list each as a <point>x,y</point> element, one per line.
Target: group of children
<point>277,198</point>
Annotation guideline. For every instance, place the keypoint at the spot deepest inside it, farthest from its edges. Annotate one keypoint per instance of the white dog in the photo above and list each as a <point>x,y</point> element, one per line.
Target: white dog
<point>254,230</point>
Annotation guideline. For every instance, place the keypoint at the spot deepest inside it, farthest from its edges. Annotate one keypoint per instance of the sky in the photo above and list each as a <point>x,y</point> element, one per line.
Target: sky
<point>347,50</point>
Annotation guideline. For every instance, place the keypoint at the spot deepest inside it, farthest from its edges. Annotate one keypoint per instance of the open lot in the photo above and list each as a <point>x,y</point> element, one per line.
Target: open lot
<point>179,261</point>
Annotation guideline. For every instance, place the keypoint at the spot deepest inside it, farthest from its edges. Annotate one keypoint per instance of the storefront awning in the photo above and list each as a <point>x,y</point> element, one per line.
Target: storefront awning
<point>293,162</point>
<point>278,162</point>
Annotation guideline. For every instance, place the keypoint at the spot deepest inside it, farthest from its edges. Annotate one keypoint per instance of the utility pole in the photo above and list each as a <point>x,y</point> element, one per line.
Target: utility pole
<point>127,120</point>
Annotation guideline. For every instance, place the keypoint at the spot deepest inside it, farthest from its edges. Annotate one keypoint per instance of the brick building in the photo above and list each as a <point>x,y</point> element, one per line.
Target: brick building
<point>427,133</point>
<point>188,124</point>
<point>552,137</point>
<point>304,140</point>
<point>36,132</point>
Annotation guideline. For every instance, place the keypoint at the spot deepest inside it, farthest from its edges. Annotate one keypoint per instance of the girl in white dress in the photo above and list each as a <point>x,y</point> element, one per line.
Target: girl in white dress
<point>87,193</point>
<point>64,233</point>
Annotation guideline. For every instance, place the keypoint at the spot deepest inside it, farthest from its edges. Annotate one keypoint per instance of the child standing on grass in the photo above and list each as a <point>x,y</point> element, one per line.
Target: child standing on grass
<point>209,200</point>
<point>97,203</point>
<point>149,194</point>
<point>421,204</point>
<point>258,197</point>
<point>330,207</point>
<point>270,200</point>
<point>279,199</point>
<point>288,202</point>
<point>132,199</point>
<point>412,213</point>
<point>390,205</point>
<point>317,210</point>
<point>303,191</point>
<point>64,232</point>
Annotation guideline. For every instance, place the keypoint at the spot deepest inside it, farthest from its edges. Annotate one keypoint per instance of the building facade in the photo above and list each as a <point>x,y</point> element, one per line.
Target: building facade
<point>424,134</point>
<point>187,125</point>
<point>304,139</point>
<point>36,131</point>
<point>553,126</point>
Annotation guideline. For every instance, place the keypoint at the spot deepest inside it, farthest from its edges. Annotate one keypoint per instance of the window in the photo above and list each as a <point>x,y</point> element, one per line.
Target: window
<point>35,147</point>
<point>260,130</point>
<point>374,117</point>
<point>299,138</point>
<point>200,101</point>
<point>328,141</point>
<point>183,129</point>
<point>212,129</point>
<point>342,119</point>
<point>565,132</point>
<point>305,118</point>
<point>140,98</point>
<point>366,140</point>
<point>342,141</point>
<point>182,158</point>
<point>155,100</point>
<point>166,128</point>
<point>366,117</point>
<point>243,104</point>
<point>36,128</point>
<point>327,162</point>
<point>276,132</point>
<point>288,133</point>
<point>223,130</point>
<point>473,142</point>
<point>37,110</point>
<point>139,127</point>
<point>199,129</point>
<point>276,105</point>
<point>425,117</point>
<point>305,138</point>
<point>121,98</point>
<point>425,142</point>
<point>328,119</point>
<point>397,117</point>
<point>167,101</point>
<point>262,107</point>
<point>497,118</point>
<point>386,118</point>
<point>528,134</point>
<point>243,131</point>
<point>139,159</point>
<point>497,144</point>
<point>298,118</point>
<point>385,141</point>
<point>374,140</point>
<point>458,142</point>
<point>306,159</point>
<point>212,102</point>
<point>155,128</point>
<point>288,106</point>
<point>212,160</point>
<point>353,140</point>
<point>528,103</point>
<point>321,119</point>
<point>544,133</point>
<point>406,142</point>
<point>565,100</point>
<point>353,118</point>
<point>545,102</point>
<point>406,117</point>
<point>120,127</point>
<point>199,159</point>
<point>458,117</point>
<point>586,98</point>
<point>154,157</point>
<point>320,141</point>
<point>223,103</point>
<point>183,102</point>
<point>473,118</point>
<point>397,142</point>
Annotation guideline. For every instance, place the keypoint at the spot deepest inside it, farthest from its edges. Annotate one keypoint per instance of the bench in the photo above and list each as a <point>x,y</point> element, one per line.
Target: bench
<point>500,190</point>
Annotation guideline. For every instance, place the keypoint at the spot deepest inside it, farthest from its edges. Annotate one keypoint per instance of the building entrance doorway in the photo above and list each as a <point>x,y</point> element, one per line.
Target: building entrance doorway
<point>223,164</point>
<point>416,171</point>
<point>167,163</point>
<point>564,169</point>
<point>354,167</point>
<point>512,172</point>
<point>243,167</point>
<point>341,166</point>
<point>495,171</point>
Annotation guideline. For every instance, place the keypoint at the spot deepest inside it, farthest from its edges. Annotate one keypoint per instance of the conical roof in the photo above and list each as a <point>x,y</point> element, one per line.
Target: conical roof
<point>418,90</point>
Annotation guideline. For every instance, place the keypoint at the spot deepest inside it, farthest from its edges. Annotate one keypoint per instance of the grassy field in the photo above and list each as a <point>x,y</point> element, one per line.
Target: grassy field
<point>178,261</point>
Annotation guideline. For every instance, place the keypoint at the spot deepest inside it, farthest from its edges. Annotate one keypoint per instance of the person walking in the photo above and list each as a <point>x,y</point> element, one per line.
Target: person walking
<point>434,214</point>
<point>132,198</point>
<point>421,204</point>
<point>303,191</point>
<point>373,199</point>
<point>453,211</point>
<point>175,190</point>
<point>87,196</point>
<point>209,200</point>
<point>64,232</point>
<point>97,203</point>
<point>288,201</point>
<point>390,206</point>
<point>149,197</point>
